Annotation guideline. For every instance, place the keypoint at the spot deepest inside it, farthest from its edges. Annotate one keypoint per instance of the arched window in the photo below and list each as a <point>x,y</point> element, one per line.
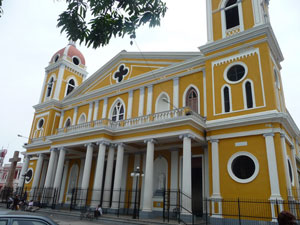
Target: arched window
<point>162,103</point>
<point>68,122</point>
<point>191,99</point>
<point>232,14</point>
<point>118,112</point>
<point>50,86</point>
<point>81,119</point>
<point>226,99</point>
<point>70,86</point>
<point>249,95</point>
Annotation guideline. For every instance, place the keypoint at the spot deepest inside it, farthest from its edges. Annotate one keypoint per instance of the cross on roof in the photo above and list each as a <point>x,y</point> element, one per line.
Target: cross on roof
<point>15,158</point>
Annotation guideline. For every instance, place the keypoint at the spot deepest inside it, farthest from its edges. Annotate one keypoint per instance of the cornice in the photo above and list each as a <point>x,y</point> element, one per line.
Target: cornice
<point>254,32</point>
<point>53,103</point>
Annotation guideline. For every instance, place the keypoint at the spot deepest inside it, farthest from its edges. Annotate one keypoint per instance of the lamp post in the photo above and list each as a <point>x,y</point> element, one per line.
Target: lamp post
<point>136,173</point>
<point>25,176</point>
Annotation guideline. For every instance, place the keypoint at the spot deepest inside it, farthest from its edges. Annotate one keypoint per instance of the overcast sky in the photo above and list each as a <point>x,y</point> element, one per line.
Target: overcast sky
<point>29,38</point>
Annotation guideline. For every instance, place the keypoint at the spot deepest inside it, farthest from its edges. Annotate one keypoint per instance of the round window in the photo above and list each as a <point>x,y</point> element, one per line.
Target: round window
<point>40,123</point>
<point>235,73</point>
<point>56,58</point>
<point>76,61</point>
<point>243,167</point>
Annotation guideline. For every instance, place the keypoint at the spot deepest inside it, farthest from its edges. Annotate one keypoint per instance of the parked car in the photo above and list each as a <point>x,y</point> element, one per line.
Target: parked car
<point>25,219</point>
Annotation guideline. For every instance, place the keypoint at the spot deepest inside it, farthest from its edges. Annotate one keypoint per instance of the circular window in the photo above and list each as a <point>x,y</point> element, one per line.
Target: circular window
<point>235,73</point>
<point>76,61</point>
<point>40,123</point>
<point>28,175</point>
<point>243,167</point>
<point>56,58</point>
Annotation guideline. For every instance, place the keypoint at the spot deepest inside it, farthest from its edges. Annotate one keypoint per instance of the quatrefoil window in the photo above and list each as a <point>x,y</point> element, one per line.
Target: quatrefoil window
<point>120,73</point>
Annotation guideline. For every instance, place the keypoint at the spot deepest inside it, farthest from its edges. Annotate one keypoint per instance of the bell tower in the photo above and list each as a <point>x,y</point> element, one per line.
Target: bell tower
<point>226,18</point>
<point>65,72</point>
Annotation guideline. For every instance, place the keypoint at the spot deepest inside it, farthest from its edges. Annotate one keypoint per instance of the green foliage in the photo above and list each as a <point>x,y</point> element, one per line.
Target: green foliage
<point>108,18</point>
<point>1,10</point>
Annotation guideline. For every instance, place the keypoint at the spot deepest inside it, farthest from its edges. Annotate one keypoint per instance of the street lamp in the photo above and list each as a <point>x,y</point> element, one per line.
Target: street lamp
<point>25,176</point>
<point>136,173</point>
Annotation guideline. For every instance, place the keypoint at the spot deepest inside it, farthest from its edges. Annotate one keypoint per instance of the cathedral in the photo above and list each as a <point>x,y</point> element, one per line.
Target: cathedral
<point>210,125</point>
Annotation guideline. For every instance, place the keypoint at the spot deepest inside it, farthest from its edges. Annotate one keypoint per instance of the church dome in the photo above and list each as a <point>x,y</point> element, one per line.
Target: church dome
<point>70,53</point>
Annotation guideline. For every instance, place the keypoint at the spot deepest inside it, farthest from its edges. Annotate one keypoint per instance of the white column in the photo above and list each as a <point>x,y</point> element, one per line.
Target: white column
<point>104,109</point>
<point>209,21</point>
<point>204,94</point>
<point>286,170</point>
<point>141,102</point>
<point>82,161</point>
<point>149,99</point>
<point>37,172</point>
<point>175,93</point>
<point>216,195</point>
<point>174,170</point>
<point>44,172</point>
<point>60,167</point>
<point>118,177</point>
<point>61,120</point>
<point>90,112</point>
<point>143,181</point>
<point>54,169</point>
<point>187,173</point>
<point>272,166</point>
<point>108,177</point>
<point>24,170</point>
<point>96,109</point>
<point>63,182</point>
<point>87,166</point>
<point>75,116</point>
<point>257,12</point>
<point>206,173</point>
<point>148,191</point>
<point>59,82</point>
<point>124,179</point>
<point>45,87</point>
<point>50,168</point>
<point>129,108</point>
<point>99,174</point>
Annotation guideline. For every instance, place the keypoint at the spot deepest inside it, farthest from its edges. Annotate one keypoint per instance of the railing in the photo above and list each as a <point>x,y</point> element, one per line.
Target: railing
<point>137,121</point>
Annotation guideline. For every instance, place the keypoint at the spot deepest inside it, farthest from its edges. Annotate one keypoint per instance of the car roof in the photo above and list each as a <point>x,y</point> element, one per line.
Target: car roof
<point>26,216</point>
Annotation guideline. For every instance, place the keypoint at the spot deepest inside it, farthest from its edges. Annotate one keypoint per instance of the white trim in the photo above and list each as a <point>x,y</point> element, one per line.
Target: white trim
<point>149,99</point>
<point>158,98</point>
<point>81,115</point>
<point>230,66</point>
<point>67,84</point>
<point>96,109</point>
<point>89,118</point>
<point>231,173</point>
<point>210,36</point>
<point>223,99</point>
<point>75,115</point>
<point>114,105</point>
<point>184,96</point>
<point>176,92</point>
<point>141,101</point>
<point>204,94</point>
<point>256,12</point>
<point>130,99</point>
<point>59,81</point>
<point>104,110</point>
<point>245,94</point>
<point>42,115</point>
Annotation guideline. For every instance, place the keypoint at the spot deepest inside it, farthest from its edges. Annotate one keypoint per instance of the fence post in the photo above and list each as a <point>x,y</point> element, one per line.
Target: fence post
<point>179,205</point>
<point>277,209</point>
<point>164,202</point>
<point>239,208</point>
<point>119,202</point>
<point>206,214</point>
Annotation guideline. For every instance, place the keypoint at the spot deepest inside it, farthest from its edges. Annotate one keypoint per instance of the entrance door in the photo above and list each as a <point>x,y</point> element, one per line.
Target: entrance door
<point>197,204</point>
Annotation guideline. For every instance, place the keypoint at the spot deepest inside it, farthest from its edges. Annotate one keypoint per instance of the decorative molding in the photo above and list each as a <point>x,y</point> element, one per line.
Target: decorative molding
<point>151,140</point>
<point>268,135</point>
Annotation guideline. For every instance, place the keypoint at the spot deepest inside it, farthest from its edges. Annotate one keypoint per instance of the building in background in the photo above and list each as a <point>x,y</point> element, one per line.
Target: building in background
<point>205,125</point>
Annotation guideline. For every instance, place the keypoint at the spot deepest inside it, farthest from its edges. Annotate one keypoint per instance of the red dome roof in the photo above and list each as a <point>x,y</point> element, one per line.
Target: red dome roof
<point>70,50</point>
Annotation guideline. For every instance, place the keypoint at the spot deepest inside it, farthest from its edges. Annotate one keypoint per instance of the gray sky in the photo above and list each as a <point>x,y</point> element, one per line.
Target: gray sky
<point>29,38</point>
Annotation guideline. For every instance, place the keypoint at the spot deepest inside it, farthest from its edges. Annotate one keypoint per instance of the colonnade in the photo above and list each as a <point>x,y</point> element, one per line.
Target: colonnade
<point>55,178</point>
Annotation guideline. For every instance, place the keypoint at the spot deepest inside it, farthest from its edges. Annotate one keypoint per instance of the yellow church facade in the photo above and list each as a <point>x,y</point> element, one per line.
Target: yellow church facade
<point>211,124</point>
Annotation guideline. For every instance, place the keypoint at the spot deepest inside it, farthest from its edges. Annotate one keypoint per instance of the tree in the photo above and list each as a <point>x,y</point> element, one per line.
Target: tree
<point>95,22</point>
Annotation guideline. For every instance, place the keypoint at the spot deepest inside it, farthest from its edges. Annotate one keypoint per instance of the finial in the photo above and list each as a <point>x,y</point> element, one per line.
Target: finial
<point>72,43</point>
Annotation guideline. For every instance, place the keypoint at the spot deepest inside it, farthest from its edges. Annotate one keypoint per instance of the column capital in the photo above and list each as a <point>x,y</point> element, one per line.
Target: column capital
<point>76,108</point>
<point>53,149</point>
<point>150,140</point>
<point>121,144</point>
<point>187,135</point>
<point>89,144</point>
<point>214,141</point>
<point>268,135</point>
<point>282,135</point>
<point>103,142</point>
<point>27,156</point>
